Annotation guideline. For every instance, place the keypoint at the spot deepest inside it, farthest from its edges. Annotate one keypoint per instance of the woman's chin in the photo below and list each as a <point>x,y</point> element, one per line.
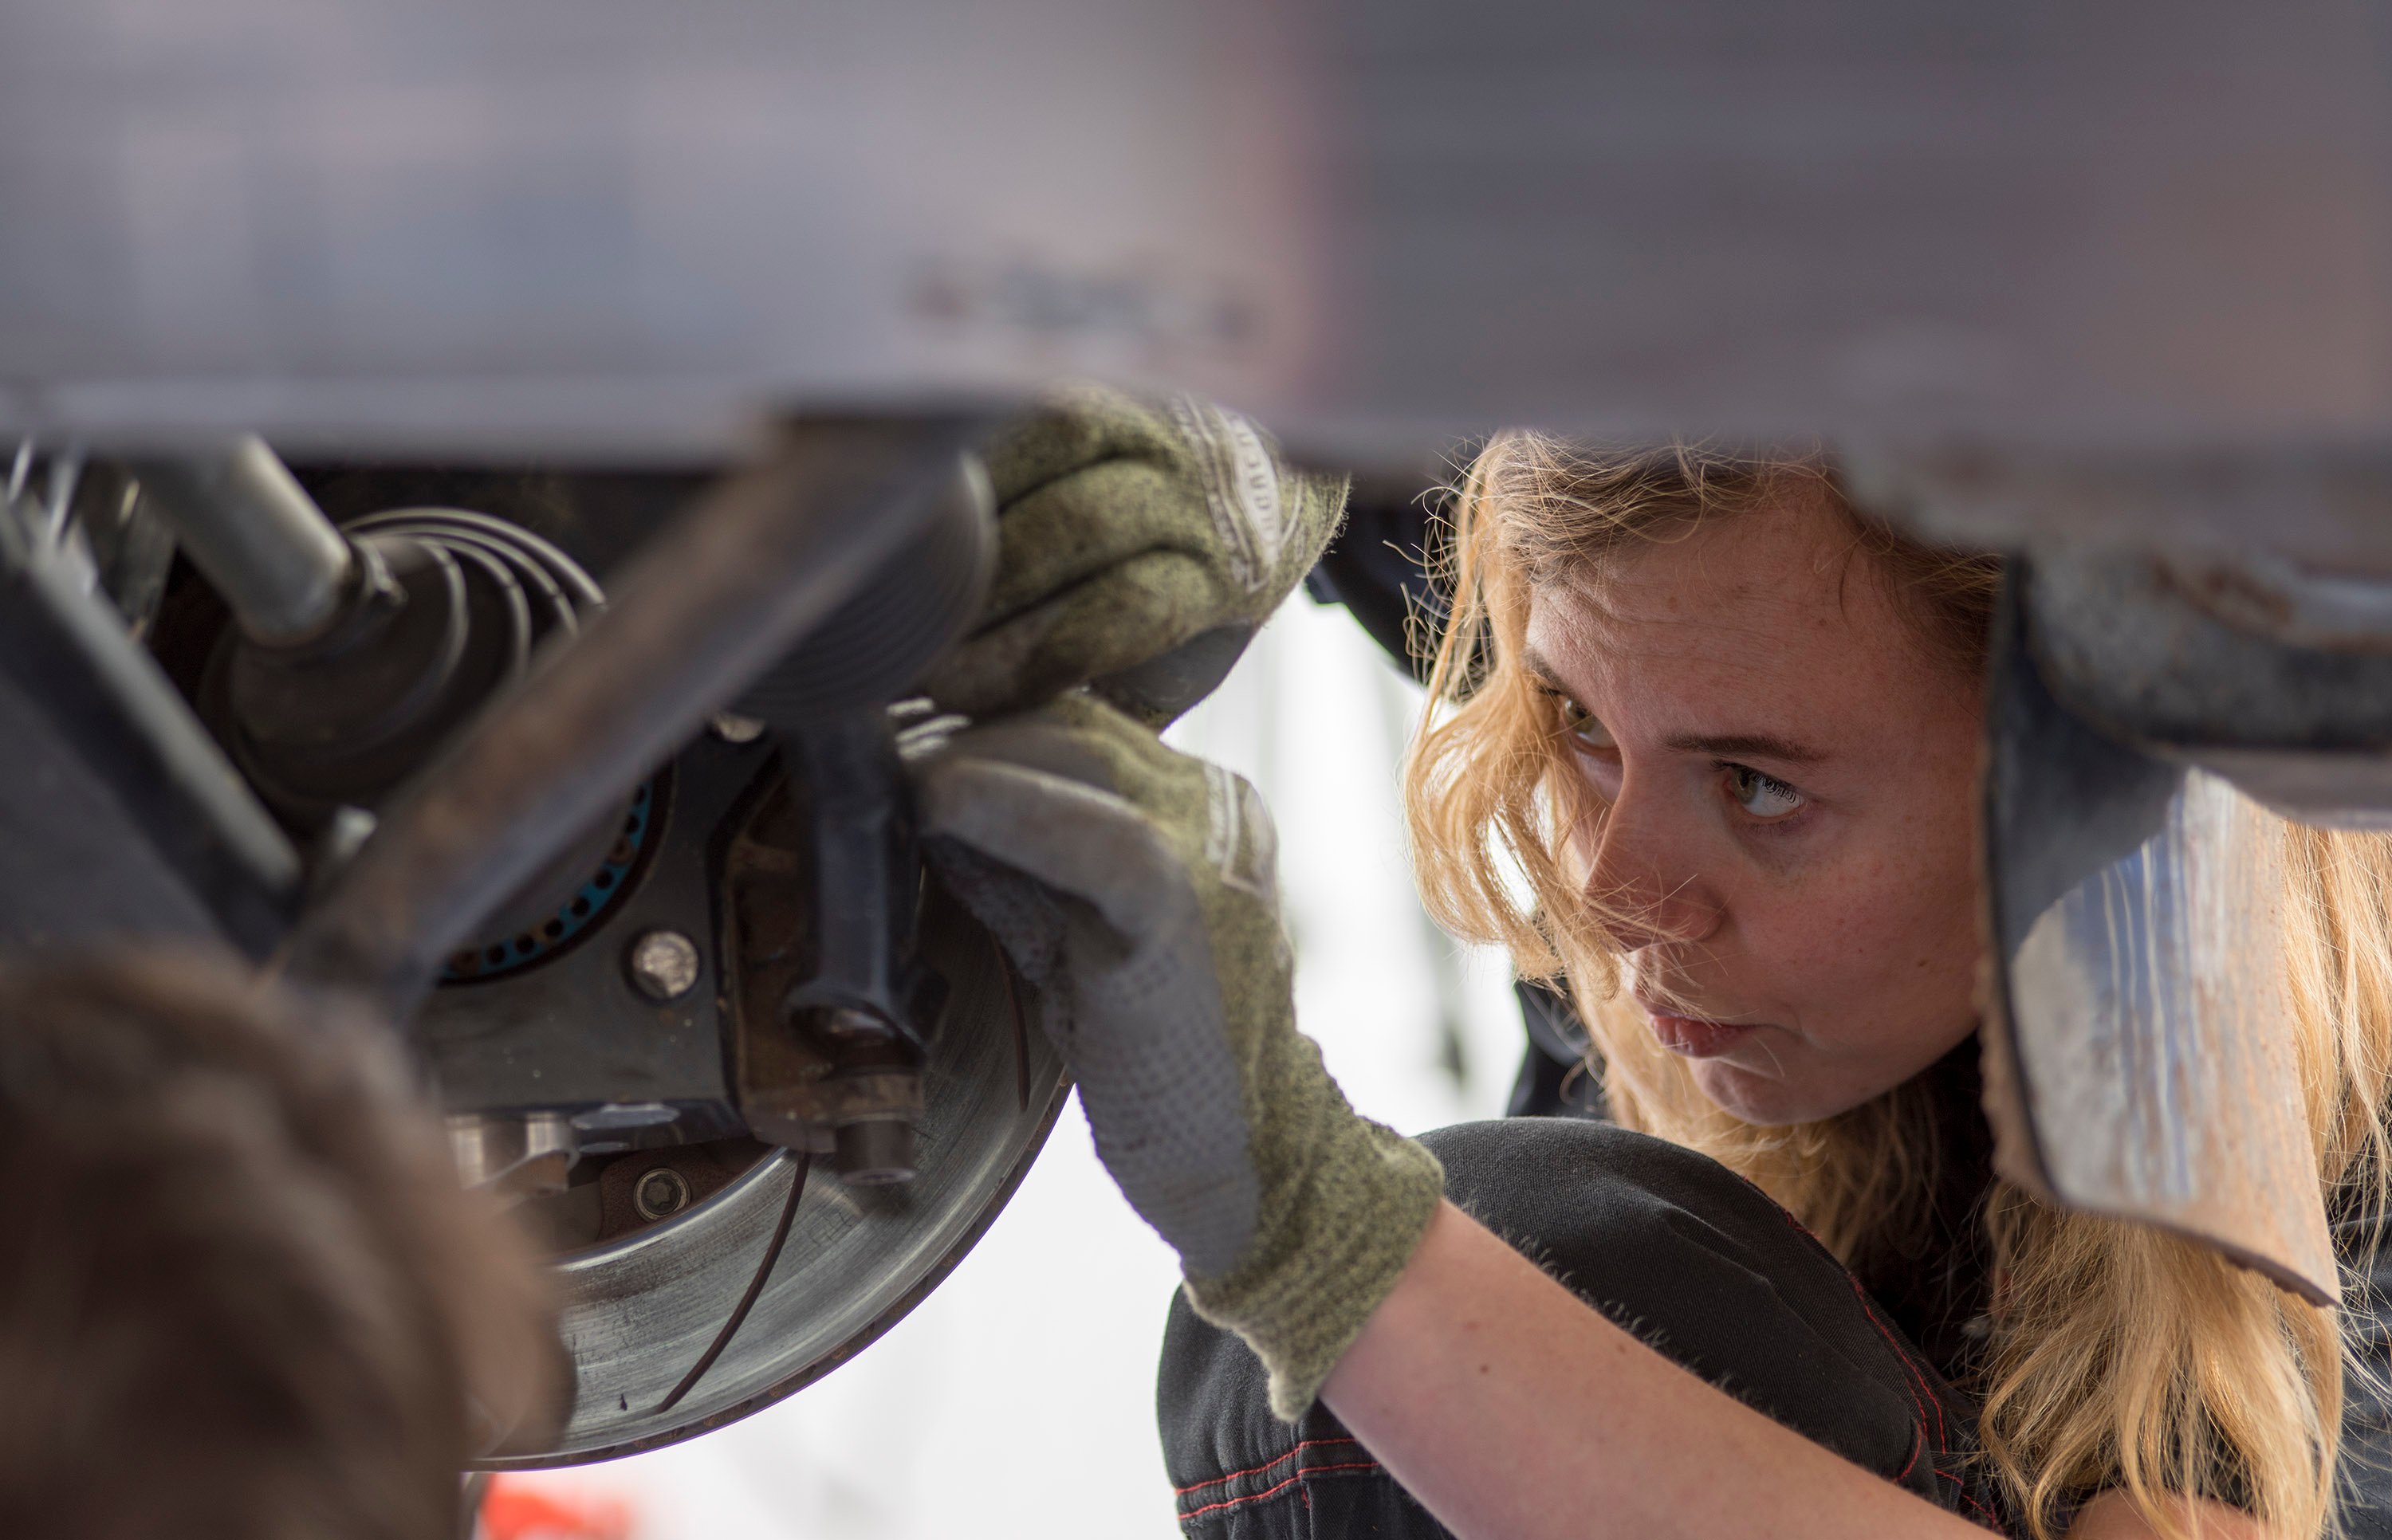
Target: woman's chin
<point>1768,1099</point>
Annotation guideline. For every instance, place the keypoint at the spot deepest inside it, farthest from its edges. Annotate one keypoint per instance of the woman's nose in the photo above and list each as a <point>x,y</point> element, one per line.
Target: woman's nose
<point>1644,880</point>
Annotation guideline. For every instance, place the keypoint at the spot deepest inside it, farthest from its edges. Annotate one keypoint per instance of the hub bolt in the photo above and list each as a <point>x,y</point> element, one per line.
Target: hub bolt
<point>662,965</point>
<point>660,1193</point>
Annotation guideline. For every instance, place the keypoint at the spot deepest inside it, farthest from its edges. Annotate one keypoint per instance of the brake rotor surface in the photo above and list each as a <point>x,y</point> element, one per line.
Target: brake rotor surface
<point>639,1312</point>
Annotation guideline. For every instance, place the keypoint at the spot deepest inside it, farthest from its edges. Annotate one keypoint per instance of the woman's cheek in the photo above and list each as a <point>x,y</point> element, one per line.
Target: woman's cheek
<point>1827,937</point>
<point>1893,968</point>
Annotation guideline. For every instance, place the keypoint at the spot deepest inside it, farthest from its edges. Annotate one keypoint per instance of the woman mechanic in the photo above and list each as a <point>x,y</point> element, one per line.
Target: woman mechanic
<point>1706,746</point>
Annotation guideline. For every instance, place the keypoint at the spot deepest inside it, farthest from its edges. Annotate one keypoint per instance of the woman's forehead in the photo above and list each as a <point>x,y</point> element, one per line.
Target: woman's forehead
<point>1779,604</point>
<point>1786,570</point>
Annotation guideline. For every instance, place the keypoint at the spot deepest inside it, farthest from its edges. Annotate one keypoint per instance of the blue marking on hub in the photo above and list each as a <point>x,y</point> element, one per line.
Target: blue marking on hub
<point>575,915</point>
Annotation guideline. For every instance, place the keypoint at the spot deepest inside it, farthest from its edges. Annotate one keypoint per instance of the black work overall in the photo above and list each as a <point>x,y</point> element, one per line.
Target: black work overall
<point>1671,1244</point>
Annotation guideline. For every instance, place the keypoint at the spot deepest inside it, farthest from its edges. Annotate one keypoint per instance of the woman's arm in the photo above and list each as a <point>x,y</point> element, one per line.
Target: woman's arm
<point>1511,1409</point>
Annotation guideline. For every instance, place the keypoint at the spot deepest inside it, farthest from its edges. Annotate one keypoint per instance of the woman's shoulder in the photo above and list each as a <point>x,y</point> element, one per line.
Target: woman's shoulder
<point>2361,1241</point>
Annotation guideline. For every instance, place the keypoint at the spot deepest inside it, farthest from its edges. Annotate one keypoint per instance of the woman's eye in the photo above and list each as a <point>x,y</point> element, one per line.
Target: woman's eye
<point>1581,722</point>
<point>1763,797</point>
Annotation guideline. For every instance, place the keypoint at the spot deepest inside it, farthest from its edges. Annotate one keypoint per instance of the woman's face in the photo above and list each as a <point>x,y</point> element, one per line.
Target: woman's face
<point>1790,775</point>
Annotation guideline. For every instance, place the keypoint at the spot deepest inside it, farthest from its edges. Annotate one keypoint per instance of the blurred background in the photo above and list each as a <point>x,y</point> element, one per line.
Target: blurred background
<point>1019,1399</point>
<point>611,229</point>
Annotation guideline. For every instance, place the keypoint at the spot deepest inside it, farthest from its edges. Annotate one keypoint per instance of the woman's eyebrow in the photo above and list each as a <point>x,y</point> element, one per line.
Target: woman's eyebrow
<point>1738,746</point>
<point>1537,668</point>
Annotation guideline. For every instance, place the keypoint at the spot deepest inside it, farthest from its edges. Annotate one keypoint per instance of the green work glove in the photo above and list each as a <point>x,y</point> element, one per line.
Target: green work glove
<point>1134,887</point>
<point>1139,546</point>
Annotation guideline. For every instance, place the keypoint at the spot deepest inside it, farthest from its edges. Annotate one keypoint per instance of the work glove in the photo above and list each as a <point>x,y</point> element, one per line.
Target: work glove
<point>1140,545</point>
<point>1134,887</point>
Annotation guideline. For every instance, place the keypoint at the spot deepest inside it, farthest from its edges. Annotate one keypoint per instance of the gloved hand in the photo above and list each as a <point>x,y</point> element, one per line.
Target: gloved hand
<point>1135,888</point>
<point>1139,545</point>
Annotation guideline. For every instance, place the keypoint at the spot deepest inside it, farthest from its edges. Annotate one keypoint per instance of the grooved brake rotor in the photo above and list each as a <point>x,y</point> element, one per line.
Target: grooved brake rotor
<point>642,1311</point>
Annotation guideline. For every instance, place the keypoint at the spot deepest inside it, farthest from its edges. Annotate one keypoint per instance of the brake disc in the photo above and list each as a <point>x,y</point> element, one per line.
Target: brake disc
<point>641,1314</point>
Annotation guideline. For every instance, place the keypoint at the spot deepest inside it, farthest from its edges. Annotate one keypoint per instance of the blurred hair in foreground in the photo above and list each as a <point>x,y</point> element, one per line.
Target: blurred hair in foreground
<point>242,1293</point>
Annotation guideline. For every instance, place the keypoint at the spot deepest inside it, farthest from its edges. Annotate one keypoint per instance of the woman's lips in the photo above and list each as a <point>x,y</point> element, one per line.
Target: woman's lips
<point>1694,1036</point>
